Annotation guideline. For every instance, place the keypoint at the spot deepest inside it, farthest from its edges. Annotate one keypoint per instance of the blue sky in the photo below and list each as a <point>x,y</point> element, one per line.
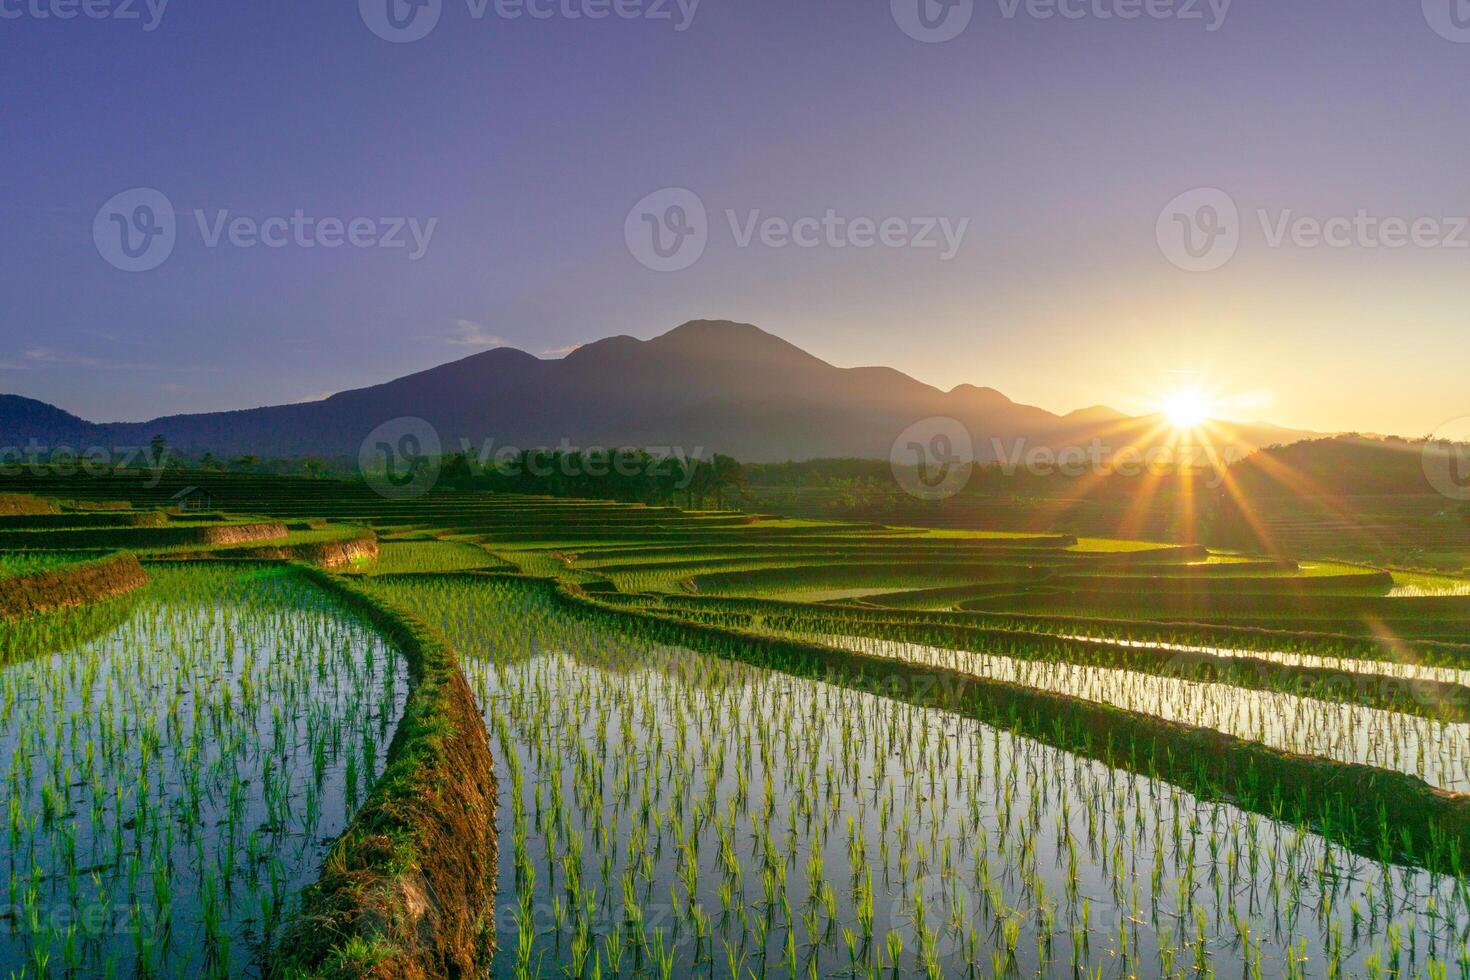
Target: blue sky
<point>1057,142</point>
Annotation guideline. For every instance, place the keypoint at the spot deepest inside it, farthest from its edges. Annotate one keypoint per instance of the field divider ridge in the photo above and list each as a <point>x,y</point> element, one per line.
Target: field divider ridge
<point>408,889</point>
<point>69,586</point>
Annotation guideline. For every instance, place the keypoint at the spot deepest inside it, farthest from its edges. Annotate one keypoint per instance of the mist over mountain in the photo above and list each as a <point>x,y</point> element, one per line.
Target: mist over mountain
<point>714,386</point>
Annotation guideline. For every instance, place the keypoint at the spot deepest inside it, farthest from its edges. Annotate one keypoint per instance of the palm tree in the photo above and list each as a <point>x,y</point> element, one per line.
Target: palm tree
<point>699,480</point>
<point>161,451</point>
<point>726,474</point>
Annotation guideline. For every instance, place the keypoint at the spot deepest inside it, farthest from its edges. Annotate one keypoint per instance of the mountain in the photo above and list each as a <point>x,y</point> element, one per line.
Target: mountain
<point>708,385</point>
<point>24,419</point>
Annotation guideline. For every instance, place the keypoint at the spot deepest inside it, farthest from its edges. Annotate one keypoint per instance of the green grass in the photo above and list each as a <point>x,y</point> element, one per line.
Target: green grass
<point>15,563</point>
<point>430,556</point>
<point>196,749</point>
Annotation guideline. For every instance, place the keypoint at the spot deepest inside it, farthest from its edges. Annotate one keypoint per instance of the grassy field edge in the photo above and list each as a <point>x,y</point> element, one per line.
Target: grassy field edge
<point>71,585</point>
<point>408,890</point>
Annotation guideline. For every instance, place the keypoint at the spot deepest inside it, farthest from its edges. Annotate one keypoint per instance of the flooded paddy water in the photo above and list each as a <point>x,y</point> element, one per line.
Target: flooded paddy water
<point>669,813</point>
<point>174,780</point>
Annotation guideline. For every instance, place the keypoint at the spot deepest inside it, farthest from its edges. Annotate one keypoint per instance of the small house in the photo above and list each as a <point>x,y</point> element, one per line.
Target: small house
<point>191,500</point>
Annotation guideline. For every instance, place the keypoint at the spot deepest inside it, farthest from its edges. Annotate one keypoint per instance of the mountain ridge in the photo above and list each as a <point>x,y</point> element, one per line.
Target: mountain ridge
<point>708,385</point>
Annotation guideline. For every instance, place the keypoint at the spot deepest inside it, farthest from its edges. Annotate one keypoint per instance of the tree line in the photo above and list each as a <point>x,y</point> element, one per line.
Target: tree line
<point>627,475</point>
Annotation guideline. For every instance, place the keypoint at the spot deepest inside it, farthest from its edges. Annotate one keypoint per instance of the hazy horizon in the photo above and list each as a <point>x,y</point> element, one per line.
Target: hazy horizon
<point>1143,409</point>
<point>521,151</point>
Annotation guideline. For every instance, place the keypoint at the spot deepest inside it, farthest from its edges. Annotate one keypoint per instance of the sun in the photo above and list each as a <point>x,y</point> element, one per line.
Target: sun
<point>1187,408</point>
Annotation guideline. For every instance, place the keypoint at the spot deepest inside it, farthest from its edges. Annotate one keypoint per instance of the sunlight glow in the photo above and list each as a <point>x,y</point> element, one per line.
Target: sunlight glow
<point>1186,408</point>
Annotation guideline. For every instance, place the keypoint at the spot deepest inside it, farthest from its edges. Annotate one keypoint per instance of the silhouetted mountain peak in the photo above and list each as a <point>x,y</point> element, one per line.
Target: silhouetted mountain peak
<point>727,340</point>
<point>711,385</point>
<point>978,395</point>
<point>1095,413</point>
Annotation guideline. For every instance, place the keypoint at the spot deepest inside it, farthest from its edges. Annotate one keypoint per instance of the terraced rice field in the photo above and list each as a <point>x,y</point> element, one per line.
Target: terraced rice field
<point>17,563</point>
<point>397,557</point>
<point>676,813</point>
<point>734,746</point>
<point>171,782</point>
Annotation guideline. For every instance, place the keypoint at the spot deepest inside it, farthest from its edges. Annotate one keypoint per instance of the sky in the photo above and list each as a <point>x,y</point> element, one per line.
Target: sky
<point>1264,199</point>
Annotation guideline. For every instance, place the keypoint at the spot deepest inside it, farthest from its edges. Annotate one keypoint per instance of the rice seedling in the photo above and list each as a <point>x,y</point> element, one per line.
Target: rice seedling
<point>1436,752</point>
<point>172,781</point>
<point>854,834</point>
<point>699,775</point>
<point>399,557</point>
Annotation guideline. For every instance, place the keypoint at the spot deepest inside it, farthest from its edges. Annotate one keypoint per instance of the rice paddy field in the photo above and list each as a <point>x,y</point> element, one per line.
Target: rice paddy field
<point>13,564</point>
<point>174,766</point>
<point>678,813</point>
<point>431,556</point>
<point>737,746</point>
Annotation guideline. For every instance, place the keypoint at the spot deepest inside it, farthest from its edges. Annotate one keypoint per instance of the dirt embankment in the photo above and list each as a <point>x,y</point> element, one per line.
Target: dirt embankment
<point>335,554</point>
<point>24,503</point>
<point>169,536</point>
<point>79,519</point>
<point>323,554</point>
<point>408,890</point>
<point>69,586</point>
<point>228,534</point>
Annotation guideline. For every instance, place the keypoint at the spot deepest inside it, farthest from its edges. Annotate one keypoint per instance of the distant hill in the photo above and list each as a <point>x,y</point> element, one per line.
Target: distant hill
<point>720,386</point>
<point>23,419</point>
<point>1341,466</point>
<point>1356,498</point>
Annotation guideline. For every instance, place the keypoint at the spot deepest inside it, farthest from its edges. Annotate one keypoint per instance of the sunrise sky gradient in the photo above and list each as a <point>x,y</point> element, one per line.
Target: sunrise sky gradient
<point>1059,140</point>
